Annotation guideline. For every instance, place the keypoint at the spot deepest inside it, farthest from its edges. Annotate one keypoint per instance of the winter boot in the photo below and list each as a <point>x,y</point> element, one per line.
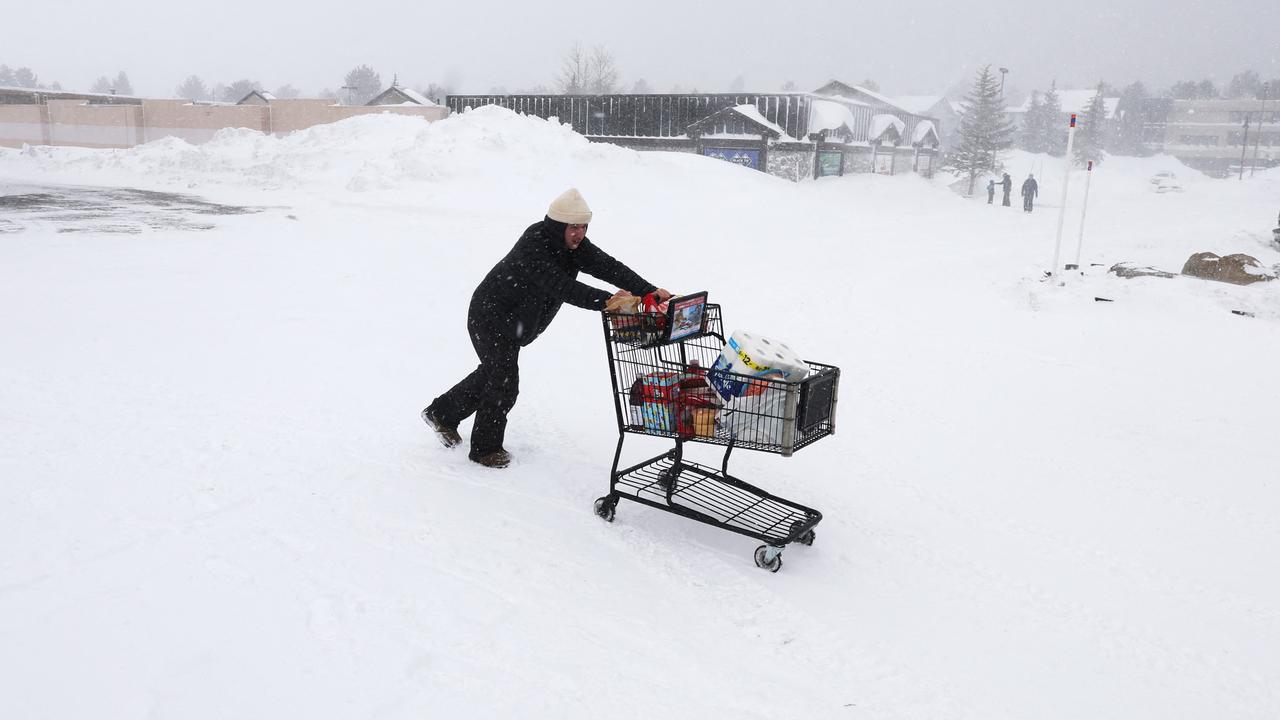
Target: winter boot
<point>448,436</point>
<point>493,459</point>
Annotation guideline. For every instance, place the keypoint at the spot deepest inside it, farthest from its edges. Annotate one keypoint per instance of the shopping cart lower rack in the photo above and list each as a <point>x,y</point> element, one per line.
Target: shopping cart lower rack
<point>661,388</point>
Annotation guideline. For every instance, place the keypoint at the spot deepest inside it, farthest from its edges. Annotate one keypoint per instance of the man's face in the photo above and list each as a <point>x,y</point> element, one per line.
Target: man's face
<point>573,235</point>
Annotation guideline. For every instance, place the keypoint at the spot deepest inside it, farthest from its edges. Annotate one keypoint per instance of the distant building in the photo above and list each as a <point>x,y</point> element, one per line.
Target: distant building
<point>396,95</point>
<point>1211,135</point>
<point>257,97</point>
<point>40,96</point>
<point>791,135</point>
<point>946,112</point>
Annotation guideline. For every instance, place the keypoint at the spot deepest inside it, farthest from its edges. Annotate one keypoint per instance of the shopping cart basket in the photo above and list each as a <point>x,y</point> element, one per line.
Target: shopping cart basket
<point>659,390</point>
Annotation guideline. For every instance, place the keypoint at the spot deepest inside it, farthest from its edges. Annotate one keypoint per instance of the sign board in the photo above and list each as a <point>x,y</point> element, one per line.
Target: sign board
<point>737,156</point>
<point>884,163</point>
<point>829,163</point>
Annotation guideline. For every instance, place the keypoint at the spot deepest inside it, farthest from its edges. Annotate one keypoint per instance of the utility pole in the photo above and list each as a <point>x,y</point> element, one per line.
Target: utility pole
<point>1262,120</point>
<point>1244,144</point>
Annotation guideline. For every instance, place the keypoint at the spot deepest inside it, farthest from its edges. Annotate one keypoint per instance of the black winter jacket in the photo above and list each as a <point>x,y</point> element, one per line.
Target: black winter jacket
<point>521,295</point>
<point>1030,187</point>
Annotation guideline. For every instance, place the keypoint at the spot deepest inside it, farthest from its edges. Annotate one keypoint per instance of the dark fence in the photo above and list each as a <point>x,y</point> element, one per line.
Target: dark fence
<point>651,116</point>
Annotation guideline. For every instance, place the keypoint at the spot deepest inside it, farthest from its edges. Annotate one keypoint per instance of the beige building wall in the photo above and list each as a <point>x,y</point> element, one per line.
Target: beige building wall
<point>22,124</point>
<point>197,123</point>
<point>77,123</point>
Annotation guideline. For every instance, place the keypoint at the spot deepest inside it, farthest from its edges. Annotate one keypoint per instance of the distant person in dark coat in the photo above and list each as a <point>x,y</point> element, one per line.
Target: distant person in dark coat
<point>512,306</point>
<point>991,191</point>
<point>1007,184</point>
<point>1029,192</point>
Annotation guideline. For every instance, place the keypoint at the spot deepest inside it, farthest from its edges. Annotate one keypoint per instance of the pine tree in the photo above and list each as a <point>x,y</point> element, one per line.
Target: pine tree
<point>1033,125</point>
<point>6,76</point>
<point>1054,140</point>
<point>122,85</point>
<point>193,88</point>
<point>984,129</point>
<point>1091,133</point>
<point>1131,114</point>
<point>102,85</point>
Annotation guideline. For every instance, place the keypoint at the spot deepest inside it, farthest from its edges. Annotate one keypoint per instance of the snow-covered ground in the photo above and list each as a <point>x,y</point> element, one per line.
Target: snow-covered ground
<point>217,499</point>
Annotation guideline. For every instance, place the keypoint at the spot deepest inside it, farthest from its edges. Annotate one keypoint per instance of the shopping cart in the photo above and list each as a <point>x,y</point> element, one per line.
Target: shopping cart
<point>660,389</point>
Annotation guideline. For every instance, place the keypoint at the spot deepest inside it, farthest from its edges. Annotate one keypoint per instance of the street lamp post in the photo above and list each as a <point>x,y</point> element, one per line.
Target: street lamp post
<point>1262,120</point>
<point>1003,72</point>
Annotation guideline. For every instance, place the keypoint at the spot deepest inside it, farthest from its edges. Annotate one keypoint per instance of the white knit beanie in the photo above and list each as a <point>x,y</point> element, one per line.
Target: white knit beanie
<point>570,208</point>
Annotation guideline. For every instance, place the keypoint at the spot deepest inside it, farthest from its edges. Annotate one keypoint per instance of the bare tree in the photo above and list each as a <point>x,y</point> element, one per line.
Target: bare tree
<point>602,72</point>
<point>641,88</point>
<point>438,91</point>
<point>738,84</point>
<point>287,92</point>
<point>6,76</point>
<point>236,91</point>
<point>573,72</point>
<point>193,88</point>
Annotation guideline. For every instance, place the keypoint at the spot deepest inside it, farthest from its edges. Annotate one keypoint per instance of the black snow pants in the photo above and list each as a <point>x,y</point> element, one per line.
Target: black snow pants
<point>1027,201</point>
<point>489,391</point>
<point>1005,200</point>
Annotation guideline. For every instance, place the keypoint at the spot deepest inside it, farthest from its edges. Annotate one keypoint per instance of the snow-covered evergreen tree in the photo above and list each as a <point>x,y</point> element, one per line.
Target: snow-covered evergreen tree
<point>985,130</point>
<point>1055,128</point>
<point>1034,126</point>
<point>1091,131</point>
<point>1131,114</point>
<point>122,84</point>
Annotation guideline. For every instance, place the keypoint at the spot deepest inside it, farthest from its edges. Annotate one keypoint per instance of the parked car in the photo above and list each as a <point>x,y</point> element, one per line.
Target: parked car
<point>1164,182</point>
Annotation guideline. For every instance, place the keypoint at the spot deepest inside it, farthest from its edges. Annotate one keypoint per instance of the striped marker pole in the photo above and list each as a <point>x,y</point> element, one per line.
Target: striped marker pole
<point>1062,209</point>
<point>1084,208</point>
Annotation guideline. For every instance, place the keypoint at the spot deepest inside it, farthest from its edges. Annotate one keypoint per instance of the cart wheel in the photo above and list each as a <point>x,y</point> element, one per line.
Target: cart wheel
<point>762,552</point>
<point>807,538</point>
<point>605,507</point>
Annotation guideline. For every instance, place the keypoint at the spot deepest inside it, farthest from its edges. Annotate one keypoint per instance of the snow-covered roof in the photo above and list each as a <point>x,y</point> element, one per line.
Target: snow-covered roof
<point>266,95</point>
<point>752,113</point>
<point>842,99</point>
<point>387,97</point>
<point>826,115</point>
<point>415,96</point>
<point>882,99</point>
<point>923,128</point>
<point>918,104</point>
<point>881,123</point>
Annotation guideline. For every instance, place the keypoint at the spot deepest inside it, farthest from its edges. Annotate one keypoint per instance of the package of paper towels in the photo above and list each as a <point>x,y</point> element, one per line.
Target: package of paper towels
<point>754,355</point>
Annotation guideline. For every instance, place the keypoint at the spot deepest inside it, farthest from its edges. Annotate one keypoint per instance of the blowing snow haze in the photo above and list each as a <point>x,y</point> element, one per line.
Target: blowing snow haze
<point>478,47</point>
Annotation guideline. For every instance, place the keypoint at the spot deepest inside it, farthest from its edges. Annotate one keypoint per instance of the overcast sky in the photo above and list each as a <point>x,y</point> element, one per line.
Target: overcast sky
<point>920,47</point>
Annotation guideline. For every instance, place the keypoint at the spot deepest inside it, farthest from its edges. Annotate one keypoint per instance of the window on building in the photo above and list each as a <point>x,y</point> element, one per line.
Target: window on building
<point>1199,140</point>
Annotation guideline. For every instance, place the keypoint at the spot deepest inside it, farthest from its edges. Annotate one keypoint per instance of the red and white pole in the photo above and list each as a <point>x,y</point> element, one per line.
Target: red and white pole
<point>1084,208</point>
<point>1062,209</point>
